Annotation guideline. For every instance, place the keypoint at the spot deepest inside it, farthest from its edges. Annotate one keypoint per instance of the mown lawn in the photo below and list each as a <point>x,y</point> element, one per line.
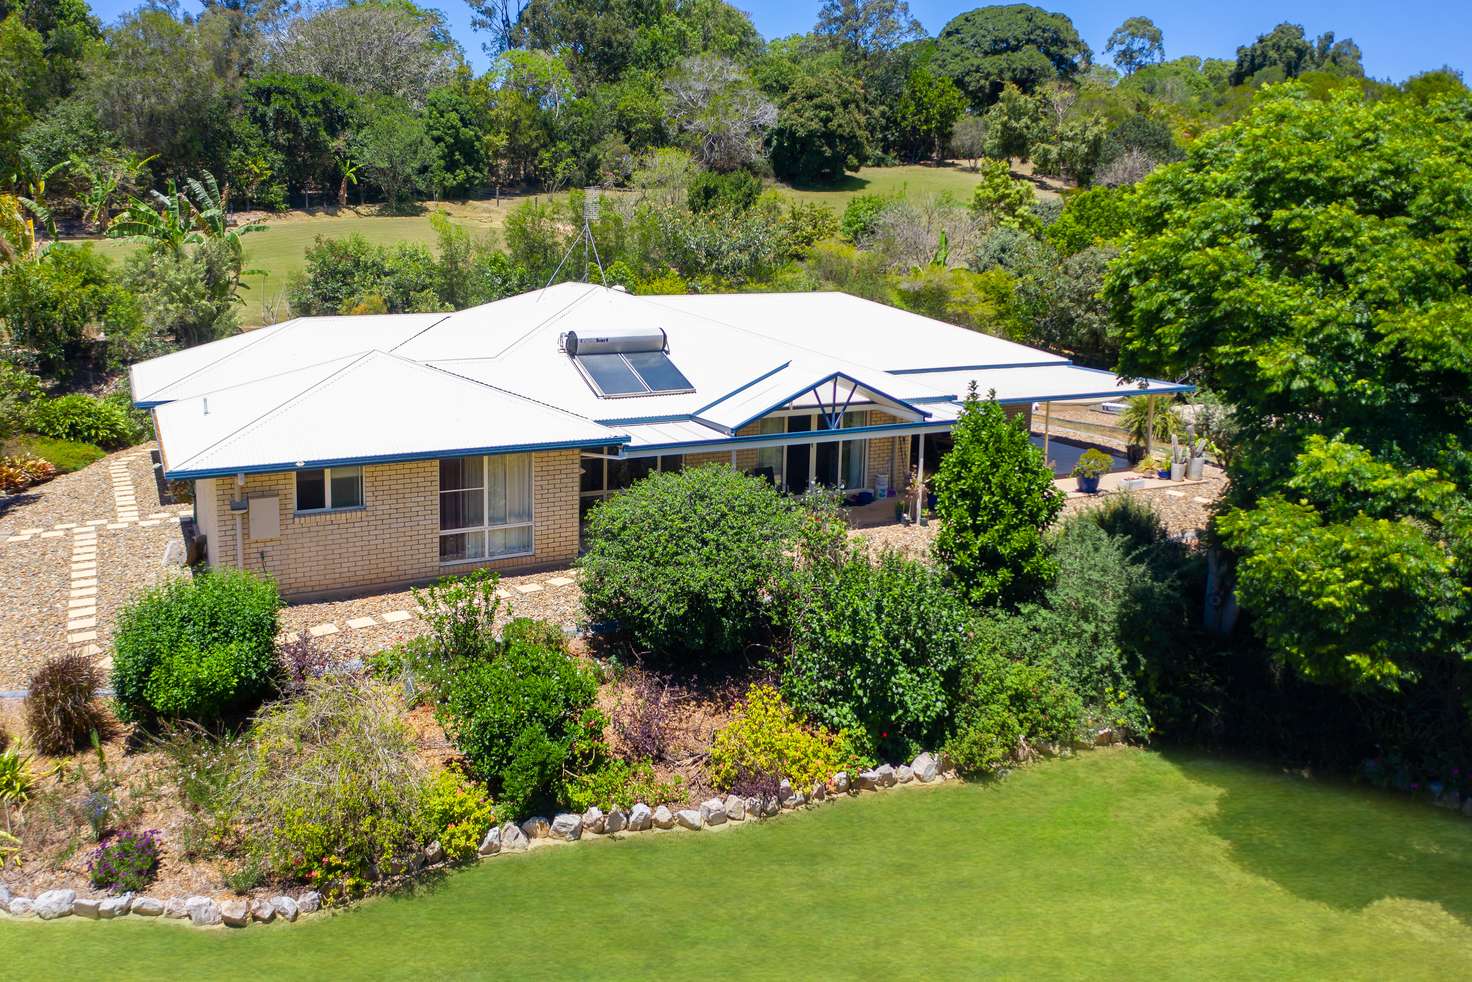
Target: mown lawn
<point>279,250</point>
<point>914,180</point>
<point>1121,864</point>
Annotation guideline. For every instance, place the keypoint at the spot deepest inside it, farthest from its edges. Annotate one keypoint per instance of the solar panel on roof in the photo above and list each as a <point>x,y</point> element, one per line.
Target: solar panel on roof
<point>657,371</point>
<point>632,373</point>
<point>611,374</point>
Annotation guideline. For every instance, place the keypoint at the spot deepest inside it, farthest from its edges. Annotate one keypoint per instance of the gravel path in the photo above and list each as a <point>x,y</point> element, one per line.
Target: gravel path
<point>364,625</point>
<point>37,533</point>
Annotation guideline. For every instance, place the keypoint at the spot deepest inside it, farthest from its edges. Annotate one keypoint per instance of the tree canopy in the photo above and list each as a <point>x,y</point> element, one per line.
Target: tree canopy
<point>1309,264</point>
<point>986,48</point>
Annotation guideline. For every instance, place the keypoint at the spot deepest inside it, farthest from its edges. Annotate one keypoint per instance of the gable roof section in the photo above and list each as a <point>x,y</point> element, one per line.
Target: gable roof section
<point>830,392</point>
<point>373,408</point>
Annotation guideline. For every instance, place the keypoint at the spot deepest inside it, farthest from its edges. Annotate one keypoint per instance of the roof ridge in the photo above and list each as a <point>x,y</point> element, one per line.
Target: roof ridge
<point>265,332</point>
<point>260,420</point>
<point>435,367</point>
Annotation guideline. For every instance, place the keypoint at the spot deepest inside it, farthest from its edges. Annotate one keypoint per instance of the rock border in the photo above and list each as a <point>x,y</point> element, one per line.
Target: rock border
<point>504,839</point>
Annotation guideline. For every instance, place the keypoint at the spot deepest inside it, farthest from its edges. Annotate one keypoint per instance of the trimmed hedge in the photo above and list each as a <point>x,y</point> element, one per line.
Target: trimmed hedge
<point>201,649</point>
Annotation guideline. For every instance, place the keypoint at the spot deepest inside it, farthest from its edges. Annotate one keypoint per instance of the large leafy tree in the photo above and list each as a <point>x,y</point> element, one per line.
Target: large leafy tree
<point>929,108</point>
<point>301,120</point>
<point>864,29</point>
<point>1136,43</point>
<point>1285,52</point>
<point>984,49</point>
<point>1311,264</point>
<point>820,131</point>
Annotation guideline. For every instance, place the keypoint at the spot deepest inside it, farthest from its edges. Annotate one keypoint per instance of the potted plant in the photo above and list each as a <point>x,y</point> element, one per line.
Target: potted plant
<point>1092,465</point>
<point>1155,465</point>
<point>1196,454</point>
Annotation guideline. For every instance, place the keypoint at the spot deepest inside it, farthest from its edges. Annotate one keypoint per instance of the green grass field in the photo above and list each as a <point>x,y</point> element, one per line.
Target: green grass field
<point>278,251</point>
<point>913,180</point>
<point>1121,864</point>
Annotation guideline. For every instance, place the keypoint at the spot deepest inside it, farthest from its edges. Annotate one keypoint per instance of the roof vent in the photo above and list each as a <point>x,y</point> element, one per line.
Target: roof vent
<point>617,340</point>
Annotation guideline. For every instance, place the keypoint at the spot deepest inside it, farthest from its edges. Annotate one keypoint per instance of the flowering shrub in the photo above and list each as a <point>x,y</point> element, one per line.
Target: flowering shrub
<point>126,862</point>
<point>457,812</point>
<point>764,737</point>
<point>19,473</point>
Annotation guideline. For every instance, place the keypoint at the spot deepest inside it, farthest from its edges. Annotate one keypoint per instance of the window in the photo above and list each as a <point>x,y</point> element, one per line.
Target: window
<point>329,489</point>
<point>769,460</point>
<point>485,507</point>
<point>604,473</point>
<point>634,373</point>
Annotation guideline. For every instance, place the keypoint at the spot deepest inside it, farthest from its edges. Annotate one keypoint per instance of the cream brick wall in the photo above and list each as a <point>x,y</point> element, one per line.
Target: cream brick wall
<point>394,538</point>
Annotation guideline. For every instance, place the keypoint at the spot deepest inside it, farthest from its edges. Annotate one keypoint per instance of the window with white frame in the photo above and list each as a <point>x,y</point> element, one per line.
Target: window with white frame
<point>485,507</point>
<point>329,489</point>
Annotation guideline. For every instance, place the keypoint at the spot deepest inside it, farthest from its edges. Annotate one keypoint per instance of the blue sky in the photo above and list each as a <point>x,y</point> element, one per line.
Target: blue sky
<point>1398,39</point>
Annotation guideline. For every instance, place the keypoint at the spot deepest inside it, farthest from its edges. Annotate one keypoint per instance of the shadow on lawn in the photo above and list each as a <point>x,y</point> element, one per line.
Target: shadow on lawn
<point>1337,844</point>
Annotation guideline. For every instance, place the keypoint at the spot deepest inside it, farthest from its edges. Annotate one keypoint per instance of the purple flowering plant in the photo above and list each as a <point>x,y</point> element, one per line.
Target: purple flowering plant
<point>125,861</point>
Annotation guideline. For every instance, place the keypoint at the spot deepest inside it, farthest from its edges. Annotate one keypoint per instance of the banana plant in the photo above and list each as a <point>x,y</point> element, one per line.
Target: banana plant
<point>30,205</point>
<point>211,220</point>
<point>167,221</point>
<point>106,176</point>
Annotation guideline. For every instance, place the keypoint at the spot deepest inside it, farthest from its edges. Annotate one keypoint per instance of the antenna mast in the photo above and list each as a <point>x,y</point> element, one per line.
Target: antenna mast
<point>591,205</point>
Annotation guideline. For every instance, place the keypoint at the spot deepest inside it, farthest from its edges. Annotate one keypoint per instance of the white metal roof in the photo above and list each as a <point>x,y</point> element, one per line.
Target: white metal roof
<point>321,390</point>
<point>367,410</point>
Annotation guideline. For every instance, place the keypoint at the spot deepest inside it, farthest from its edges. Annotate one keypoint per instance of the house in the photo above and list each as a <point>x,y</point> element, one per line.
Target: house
<point>346,453</point>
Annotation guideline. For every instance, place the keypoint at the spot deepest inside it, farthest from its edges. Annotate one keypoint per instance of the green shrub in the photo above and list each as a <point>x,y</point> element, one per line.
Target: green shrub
<point>995,496</point>
<point>65,455</point>
<point>764,738</point>
<point>61,708</point>
<point>878,647</point>
<point>1005,705</point>
<point>1112,604</point>
<point>457,814</point>
<point>731,192</point>
<point>330,791</point>
<point>714,577</point>
<point>515,718</point>
<point>460,614</point>
<point>197,649</point>
<point>618,782</point>
<point>81,418</point>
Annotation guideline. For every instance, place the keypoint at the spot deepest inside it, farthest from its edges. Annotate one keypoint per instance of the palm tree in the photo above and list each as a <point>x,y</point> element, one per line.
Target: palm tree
<point>1135,420</point>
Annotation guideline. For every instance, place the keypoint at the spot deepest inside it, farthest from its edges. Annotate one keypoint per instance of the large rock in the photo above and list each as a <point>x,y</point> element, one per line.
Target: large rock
<point>904,774</point>
<point>434,853</point>
<point>925,768</point>
<point>491,844</point>
<point>616,821</point>
<point>885,773</point>
<point>641,818</point>
<point>770,806</point>
<point>820,791</point>
<point>536,828</point>
<point>22,906</point>
<point>840,782</point>
<point>203,911</point>
<point>285,908</point>
<point>713,812</point>
<point>594,820</point>
<point>868,781</point>
<point>513,839</point>
<point>567,826</point>
<point>784,792</point>
<point>309,902</point>
<point>735,807</point>
<point>176,908</point>
<point>115,907</point>
<point>235,913</point>
<point>5,897</point>
<point>664,818</point>
<point>147,907</point>
<point>263,911</point>
<point>53,904</point>
<point>689,818</point>
<point>86,907</point>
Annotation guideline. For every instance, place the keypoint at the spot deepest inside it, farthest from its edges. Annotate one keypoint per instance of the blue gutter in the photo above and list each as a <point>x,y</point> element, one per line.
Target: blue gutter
<point>190,475</point>
<point>978,368</point>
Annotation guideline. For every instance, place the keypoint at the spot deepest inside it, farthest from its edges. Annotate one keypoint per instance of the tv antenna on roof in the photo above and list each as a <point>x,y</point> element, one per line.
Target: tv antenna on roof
<point>584,238</point>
